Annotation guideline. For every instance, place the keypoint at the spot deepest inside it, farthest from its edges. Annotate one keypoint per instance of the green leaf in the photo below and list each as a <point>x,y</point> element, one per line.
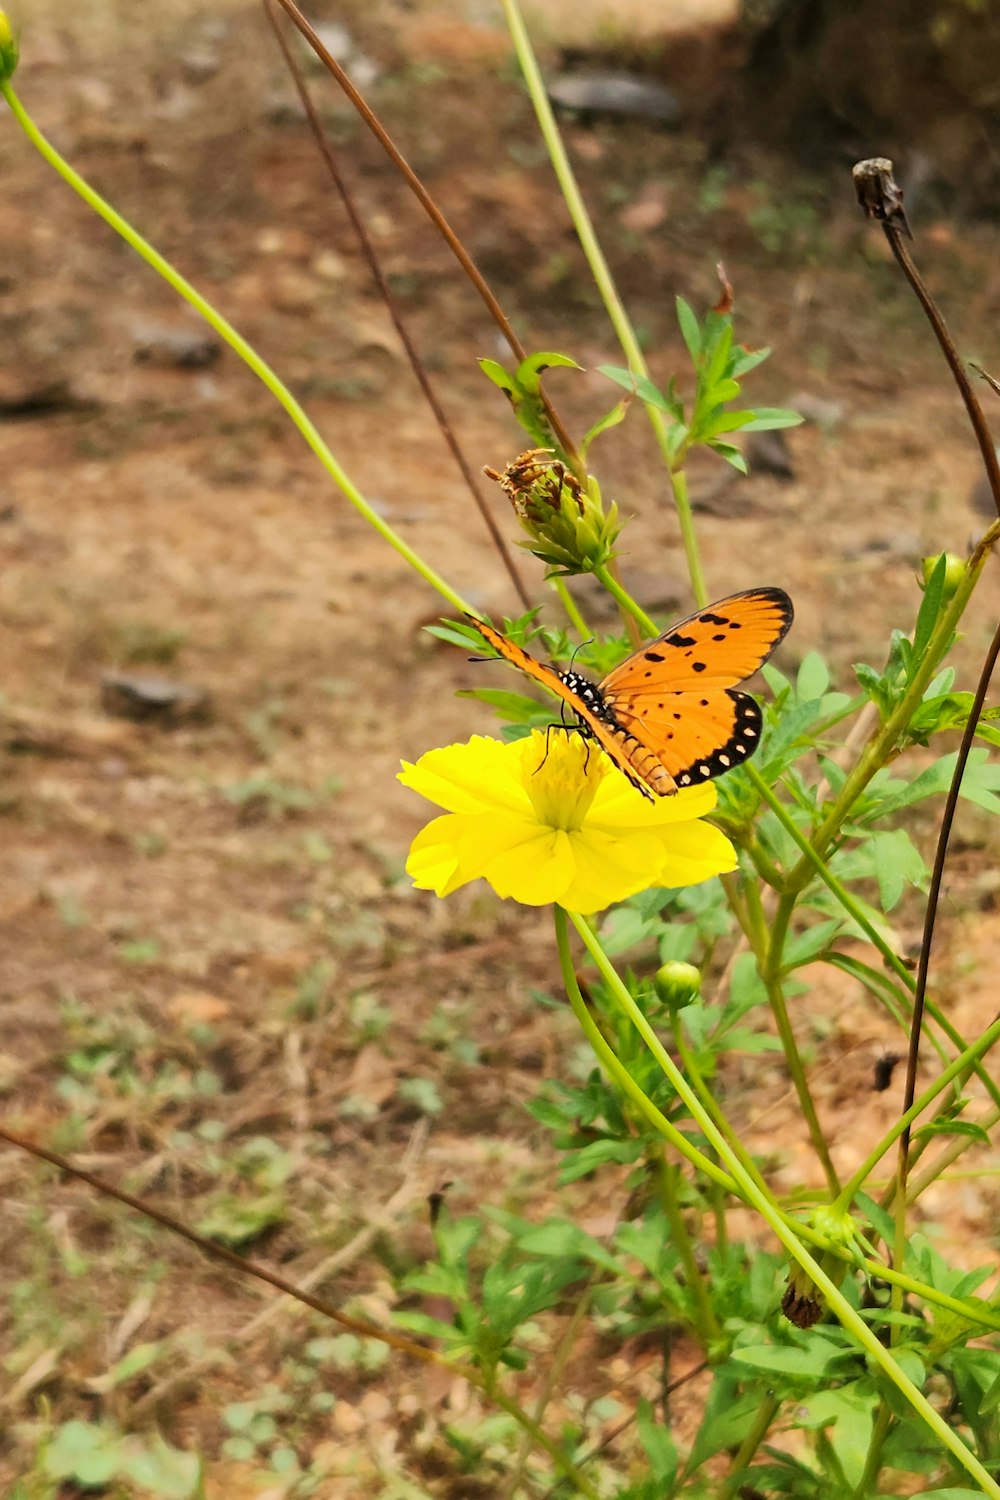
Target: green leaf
<point>746,360</point>
<point>82,1451</point>
<point>786,1359</point>
<point>731,455</point>
<point>164,1471</point>
<point>636,385</point>
<point>813,677</point>
<point>898,864</point>
<point>807,946</point>
<point>560,1238</point>
<point>598,1154</point>
<point>610,419</point>
<point>954,1127</point>
<point>930,606</point>
<point>770,418</point>
<point>530,370</point>
<point>514,708</point>
<point>498,375</point>
<point>690,328</point>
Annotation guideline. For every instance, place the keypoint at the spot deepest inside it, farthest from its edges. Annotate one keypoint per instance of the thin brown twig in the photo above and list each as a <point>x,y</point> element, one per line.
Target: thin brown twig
<point>881,198</point>
<point>381,280</point>
<point>432,210</point>
<point>240,1263</point>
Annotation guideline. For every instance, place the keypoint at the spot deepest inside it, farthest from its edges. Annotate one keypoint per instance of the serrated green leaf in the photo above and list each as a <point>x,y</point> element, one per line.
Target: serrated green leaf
<point>898,864</point>
<point>558,1237</point>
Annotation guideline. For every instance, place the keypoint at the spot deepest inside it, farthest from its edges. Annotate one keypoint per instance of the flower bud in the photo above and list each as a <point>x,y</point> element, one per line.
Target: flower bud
<point>803,1302</point>
<point>8,47</point>
<point>677,984</point>
<point>568,527</point>
<point>954,571</point>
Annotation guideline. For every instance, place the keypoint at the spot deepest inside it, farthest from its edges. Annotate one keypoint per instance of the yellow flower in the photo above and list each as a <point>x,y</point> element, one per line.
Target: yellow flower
<point>548,818</point>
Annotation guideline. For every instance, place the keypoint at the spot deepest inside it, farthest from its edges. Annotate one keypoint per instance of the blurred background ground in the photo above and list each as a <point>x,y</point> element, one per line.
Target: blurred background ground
<point>217,987</point>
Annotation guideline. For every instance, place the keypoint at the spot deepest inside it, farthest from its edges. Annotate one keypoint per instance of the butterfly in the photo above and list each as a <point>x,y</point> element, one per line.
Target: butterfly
<point>670,716</point>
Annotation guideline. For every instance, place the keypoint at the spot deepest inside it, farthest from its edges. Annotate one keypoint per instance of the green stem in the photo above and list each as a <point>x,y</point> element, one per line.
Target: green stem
<point>770,972</point>
<point>873,1459</point>
<point>736,1478</point>
<point>625,600</point>
<point>689,1064</point>
<point>571,609</point>
<point>617,1070</point>
<point>603,279</point>
<point>685,515</point>
<point>706,1323</point>
<point>955,1067</point>
<point>226,331</point>
<point>838,1303</point>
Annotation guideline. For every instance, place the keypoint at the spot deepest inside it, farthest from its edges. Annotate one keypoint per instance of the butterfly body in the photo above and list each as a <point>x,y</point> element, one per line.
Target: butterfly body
<point>670,715</point>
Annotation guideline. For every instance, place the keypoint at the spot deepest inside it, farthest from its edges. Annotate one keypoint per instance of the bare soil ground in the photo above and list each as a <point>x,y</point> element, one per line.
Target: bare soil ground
<point>216,986</point>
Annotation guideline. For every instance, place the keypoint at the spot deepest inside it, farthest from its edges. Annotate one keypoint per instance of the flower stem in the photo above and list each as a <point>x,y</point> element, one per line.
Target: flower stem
<point>571,608</point>
<point>603,279</point>
<point>236,342</point>
<point>617,1070</point>
<point>769,965</point>
<point>706,1322</point>
<point>624,598</point>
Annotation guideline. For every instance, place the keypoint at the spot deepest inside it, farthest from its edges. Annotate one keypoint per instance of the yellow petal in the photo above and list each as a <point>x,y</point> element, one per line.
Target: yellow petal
<point>477,776</point>
<point>693,852</point>
<point>618,804</point>
<point>537,871</point>
<point>610,867</point>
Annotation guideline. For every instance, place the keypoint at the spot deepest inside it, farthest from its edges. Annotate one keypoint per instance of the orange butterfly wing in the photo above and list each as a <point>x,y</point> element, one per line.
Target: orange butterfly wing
<point>668,715</point>
<point>675,696</point>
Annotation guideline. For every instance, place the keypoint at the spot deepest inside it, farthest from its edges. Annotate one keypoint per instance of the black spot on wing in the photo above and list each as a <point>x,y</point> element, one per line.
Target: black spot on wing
<point>740,745</point>
<point>678,640</point>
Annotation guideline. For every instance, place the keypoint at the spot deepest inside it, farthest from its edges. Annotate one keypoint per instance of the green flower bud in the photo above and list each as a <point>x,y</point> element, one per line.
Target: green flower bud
<point>568,527</point>
<point>954,571</point>
<point>677,984</point>
<point>8,47</point>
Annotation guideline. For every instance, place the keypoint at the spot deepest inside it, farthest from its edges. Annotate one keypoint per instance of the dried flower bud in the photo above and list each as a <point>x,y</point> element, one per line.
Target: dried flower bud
<point>677,984</point>
<point>565,520</point>
<point>8,47</point>
<point>803,1303</point>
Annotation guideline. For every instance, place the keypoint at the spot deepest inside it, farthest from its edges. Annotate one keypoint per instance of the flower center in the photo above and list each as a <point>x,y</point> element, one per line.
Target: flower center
<point>561,774</point>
